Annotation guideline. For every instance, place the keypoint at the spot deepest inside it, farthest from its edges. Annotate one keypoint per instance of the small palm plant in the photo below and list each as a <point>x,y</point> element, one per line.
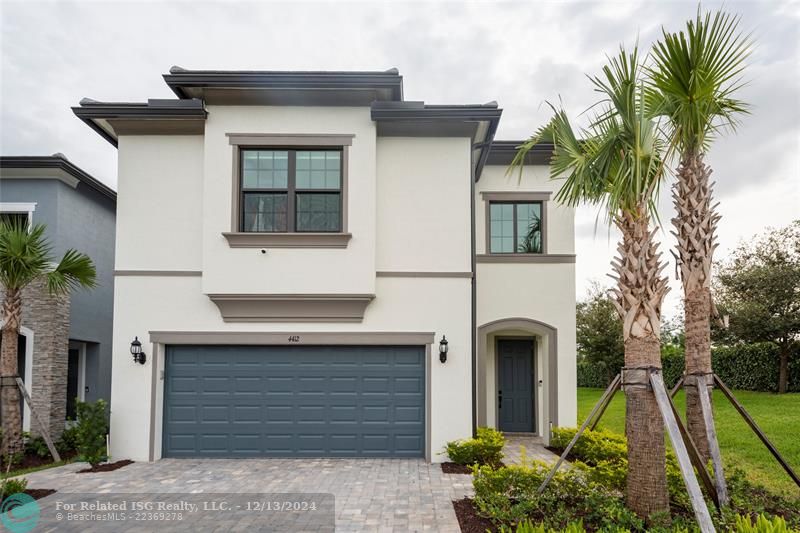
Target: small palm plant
<point>25,257</point>
<point>617,163</point>
<point>694,78</point>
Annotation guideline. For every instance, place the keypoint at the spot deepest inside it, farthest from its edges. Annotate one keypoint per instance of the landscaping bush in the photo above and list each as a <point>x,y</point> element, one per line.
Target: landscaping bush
<point>745,367</point>
<point>36,446</point>
<point>13,486</point>
<point>68,442</point>
<point>507,496</point>
<point>91,432</point>
<point>486,449</point>
<point>602,457</point>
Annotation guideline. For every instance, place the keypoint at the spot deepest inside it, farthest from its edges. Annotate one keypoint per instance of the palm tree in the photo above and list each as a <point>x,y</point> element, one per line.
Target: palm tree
<point>618,165</point>
<point>693,80</point>
<point>24,259</point>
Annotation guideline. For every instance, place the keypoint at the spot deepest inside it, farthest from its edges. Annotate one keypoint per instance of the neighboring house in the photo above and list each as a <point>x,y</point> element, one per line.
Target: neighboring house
<point>292,248</point>
<point>65,343</point>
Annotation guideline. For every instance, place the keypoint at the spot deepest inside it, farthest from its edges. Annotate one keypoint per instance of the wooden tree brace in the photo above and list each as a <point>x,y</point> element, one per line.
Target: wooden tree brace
<point>757,430</point>
<point>607,395</point>
<point>692,486</point>
<point>713,444</point>
<point>42,428</point>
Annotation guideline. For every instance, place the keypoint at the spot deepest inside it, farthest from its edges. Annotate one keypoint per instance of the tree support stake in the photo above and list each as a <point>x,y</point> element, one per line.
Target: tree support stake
<point>757,430</point>
<point>42,428</point>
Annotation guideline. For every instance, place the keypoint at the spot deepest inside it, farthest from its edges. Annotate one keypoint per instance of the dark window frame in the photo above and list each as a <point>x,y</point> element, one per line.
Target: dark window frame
<point>515,225</point>
<point>291,189</point>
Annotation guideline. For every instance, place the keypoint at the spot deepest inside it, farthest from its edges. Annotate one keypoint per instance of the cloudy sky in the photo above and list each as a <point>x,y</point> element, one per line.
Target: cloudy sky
<point>518,53</point>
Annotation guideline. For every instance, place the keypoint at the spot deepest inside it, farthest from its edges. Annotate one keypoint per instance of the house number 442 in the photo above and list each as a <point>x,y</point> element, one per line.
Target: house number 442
<point>294,338</point>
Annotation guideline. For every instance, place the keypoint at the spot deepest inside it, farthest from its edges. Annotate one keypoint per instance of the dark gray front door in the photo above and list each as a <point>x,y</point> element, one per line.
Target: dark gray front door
<point>515,384</point>
<point>294,401</point>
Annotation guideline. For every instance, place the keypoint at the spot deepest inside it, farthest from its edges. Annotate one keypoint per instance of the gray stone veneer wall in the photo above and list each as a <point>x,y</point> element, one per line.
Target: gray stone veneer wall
<point>48,317</point>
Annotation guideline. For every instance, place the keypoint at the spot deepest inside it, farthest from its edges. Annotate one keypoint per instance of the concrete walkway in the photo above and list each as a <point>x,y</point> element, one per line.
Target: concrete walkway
<point>527,445</point>
<point>370,494</point>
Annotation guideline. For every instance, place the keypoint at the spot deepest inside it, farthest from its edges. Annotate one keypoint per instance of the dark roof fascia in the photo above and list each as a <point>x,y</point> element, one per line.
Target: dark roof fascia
<point>56,162</point>
<point>503,153</point>
<point>179,80</point>
<point>89,111</point>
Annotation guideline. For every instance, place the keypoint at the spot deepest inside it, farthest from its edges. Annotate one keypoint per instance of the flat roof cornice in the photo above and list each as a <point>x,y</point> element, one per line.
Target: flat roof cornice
<point>59,163</point>
<point>245,87</point>
<point>111,119</point>
<point>503,152</point>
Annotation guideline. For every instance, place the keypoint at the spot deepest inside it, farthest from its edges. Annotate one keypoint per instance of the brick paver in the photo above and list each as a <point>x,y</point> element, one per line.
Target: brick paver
<point>371,494</point>
<point>527,445</point>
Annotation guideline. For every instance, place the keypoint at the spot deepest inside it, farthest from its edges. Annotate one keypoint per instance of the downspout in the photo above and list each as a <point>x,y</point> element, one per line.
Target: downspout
<point>474,296</point>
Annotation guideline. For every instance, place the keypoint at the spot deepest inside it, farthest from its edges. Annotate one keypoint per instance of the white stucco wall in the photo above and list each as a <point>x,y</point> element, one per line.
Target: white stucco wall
<point>422,185</point>
<point>535,178</point>
<point>350,270</point>
<point>414,234</point>
<point>536,291</point>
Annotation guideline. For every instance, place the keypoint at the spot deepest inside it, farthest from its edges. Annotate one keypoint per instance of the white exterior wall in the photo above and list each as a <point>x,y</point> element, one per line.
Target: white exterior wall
<point>174,203</point>
<point>541,292</point>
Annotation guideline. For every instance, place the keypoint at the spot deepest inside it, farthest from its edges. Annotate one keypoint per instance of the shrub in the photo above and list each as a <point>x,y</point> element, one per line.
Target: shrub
<point>745,367</point>
<point>593,374</point>
<point>69,441</point>
<point>486,449</point>
<point>13,486</point>
<point>91,432</point>
<point>508,495</point>
<point>762,524</point>
<point>528,527</point>
<point>36,446</point>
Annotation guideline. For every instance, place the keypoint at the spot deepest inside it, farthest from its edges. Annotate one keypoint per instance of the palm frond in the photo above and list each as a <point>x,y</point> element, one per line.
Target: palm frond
<point>73,271</point>
<point>695,75</point>
<point>24,253</point>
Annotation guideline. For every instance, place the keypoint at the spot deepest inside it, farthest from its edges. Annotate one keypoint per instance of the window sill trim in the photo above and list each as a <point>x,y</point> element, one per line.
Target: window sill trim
<point>287,240</point>
<point>525,258</point>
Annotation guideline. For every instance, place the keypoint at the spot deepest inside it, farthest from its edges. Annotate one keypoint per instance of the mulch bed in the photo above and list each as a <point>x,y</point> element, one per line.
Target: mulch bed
<point>32,461</point>
<point>37,494</point>
<point>455,468</point>
<point>107,467</point>
<point>468,519</point>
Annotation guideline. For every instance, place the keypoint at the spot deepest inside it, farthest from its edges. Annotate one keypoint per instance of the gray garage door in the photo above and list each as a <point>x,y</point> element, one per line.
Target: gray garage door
<point>294,401</point>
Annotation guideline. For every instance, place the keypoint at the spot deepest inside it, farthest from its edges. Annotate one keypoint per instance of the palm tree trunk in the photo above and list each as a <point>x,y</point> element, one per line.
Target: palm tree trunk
<point>646,491</point>
<point>696,223</point>
<point>9,395</point>
<point>638,297</point>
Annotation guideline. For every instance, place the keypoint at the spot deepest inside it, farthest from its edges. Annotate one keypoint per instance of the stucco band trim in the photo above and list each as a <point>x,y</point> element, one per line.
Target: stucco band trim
<point>280,338</point>
<point>525,258</point>
<point>292,307</point>
<point>241,239</point>
<point>412,274</point>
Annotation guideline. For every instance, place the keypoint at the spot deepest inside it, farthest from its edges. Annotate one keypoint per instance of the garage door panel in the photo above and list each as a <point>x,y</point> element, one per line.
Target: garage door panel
<point>248,401</point>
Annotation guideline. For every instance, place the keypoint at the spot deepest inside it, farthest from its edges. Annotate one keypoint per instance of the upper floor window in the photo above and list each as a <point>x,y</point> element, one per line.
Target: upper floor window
<point>291,190</point>
<point>515,227</point>
<point>15,212</point>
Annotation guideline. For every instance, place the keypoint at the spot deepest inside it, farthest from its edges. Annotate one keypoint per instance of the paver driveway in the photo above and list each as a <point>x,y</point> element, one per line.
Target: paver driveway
<point>371,494</point>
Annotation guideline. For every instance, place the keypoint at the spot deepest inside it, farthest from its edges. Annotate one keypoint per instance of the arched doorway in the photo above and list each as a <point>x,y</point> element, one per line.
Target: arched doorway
<point>506,341</point>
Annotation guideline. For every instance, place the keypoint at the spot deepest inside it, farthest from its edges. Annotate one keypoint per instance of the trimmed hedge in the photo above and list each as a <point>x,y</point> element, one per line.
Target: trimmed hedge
<point>745,367</point>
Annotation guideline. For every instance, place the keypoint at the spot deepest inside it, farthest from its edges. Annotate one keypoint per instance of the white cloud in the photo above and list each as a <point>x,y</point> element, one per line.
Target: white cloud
<point>520,54</point>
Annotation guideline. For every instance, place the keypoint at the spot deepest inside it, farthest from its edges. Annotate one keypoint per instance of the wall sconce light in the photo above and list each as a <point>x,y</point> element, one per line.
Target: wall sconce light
<point>136,349</point>
<point>443,349</point>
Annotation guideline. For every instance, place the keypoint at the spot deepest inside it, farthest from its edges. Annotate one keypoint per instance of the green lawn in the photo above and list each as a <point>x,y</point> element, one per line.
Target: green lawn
<point>777,415</point>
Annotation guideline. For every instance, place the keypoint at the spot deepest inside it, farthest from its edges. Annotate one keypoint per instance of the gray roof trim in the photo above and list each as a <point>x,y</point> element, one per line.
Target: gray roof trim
<point>424,120</point>
<point>58,162</point>
<point>503,152</point>
<point>154,110</point>
<point>382,85</point>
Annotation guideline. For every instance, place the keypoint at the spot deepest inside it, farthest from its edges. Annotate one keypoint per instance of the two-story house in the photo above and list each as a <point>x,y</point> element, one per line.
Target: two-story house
<point>317,267</point>
<point>65,342</point>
